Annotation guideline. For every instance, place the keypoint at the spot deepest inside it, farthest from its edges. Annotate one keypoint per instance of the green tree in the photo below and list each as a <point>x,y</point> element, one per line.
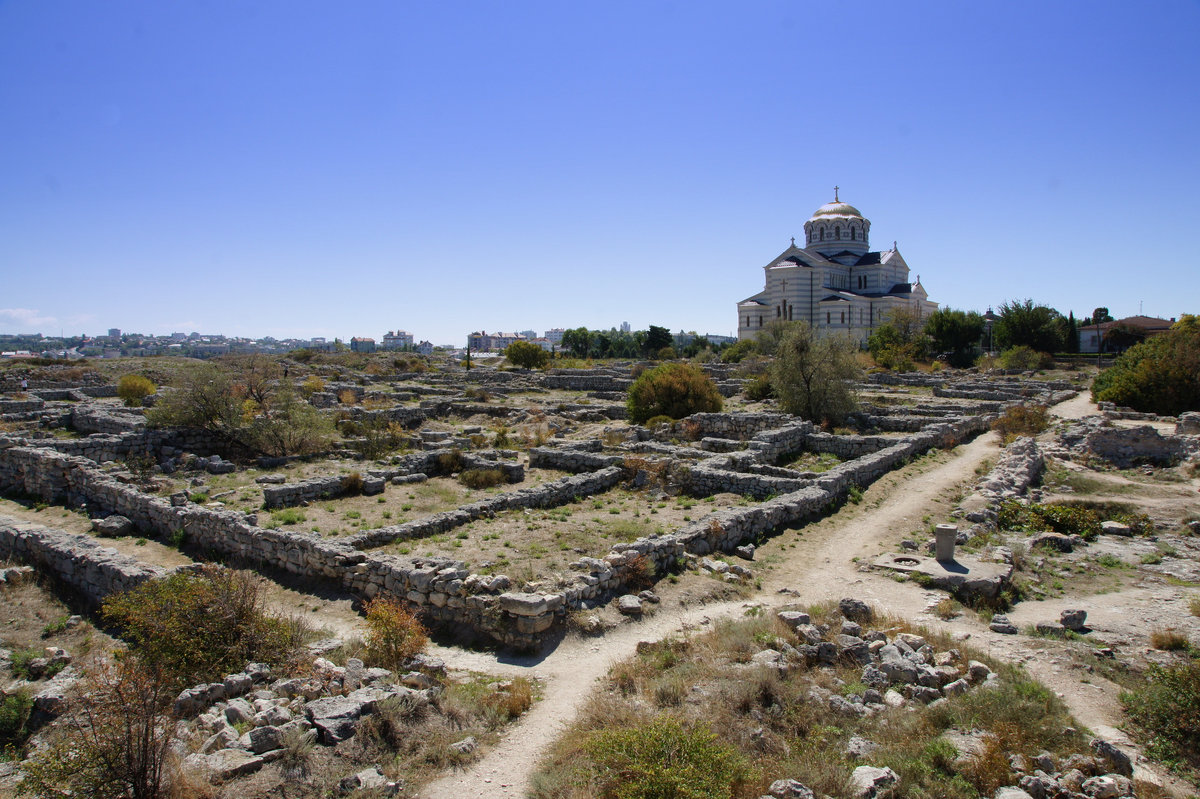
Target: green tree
<point>738,350</point>
<point>132,389</point>
<point>578,340</point>
<point>813,375</point>
<point>1100,316</point>
<point>1038,327</point>
<point>656,338</point>
<point>527,355</point>
<point>288,426</point>
<point>1072,333</point>
<point>205,399</point>
<point>955,332</point>
<point>1161,375</point>
<point>673,389</point>
<point>900,340</point>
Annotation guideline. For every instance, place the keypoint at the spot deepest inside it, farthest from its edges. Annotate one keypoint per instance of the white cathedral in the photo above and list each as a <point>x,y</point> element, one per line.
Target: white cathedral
<point>834,282</point>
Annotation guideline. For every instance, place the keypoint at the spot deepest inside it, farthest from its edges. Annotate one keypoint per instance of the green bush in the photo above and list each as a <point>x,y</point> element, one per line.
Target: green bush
<point>133,388</point>
<point>14,713</point>
<point>1025,359</point>
<point>481,478</point>
<point>673,389</point>
<point>661,759</point>
<point>1066,518</point>
<point>195,628</point>
<point>1160,375</point>
<point>759,388</point>
<point>1021,420</point>
<point>1166,711</point>
<point>394,634</point>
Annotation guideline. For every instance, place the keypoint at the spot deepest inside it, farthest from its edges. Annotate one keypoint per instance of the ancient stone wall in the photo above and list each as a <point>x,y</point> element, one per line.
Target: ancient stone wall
<point>95,571</point>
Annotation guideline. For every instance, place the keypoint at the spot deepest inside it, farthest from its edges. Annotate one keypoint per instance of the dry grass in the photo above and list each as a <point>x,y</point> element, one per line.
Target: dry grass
<point>710,682</point>
<point>1168,639</point>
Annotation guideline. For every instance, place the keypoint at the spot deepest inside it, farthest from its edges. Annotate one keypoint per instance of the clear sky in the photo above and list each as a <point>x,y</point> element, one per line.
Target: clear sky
<point>343,168</point>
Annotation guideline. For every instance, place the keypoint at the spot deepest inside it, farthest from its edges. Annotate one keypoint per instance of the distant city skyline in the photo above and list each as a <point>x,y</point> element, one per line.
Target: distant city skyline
<point>299,169</point>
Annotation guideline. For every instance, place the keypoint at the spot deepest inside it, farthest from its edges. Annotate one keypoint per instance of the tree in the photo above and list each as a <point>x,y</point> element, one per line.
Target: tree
<point>1121,337</point>
<point>955,332</point>
<point>578,340</point>
<point>1100,316</point>
<point>812,375</point>
<point>900,340</point>
<point>204,400</point>
<point>1038,327</point>
<point>132,389</point>
<point>1161,375</point>
<point>673,389</point>
<point>288,426</point>
<point>527,355</point>
<point>1072,333</point>
<point>656,338</point>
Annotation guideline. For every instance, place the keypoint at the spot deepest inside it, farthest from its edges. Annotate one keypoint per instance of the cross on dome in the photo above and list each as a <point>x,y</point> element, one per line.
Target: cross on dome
<point>835,194</point>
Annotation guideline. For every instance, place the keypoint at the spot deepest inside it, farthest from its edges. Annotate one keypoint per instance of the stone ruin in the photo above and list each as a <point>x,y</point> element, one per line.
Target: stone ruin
<point>732,452</point>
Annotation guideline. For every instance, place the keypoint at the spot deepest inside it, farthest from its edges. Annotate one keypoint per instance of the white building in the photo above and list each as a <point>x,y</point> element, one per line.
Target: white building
<point>396,340</point>
<point>834,282</point>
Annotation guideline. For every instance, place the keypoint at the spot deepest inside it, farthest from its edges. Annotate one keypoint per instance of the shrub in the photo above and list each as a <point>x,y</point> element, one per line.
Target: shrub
<point>1021,420</point>
<point>394,633</point>
<point>286,516</point>
<point>1166,711</point>
<point>14,714</point>
<point>133,388</point>
<point>1160,375</point>
<point>527,355</point>
<point>1168,639</point>
<point>661,758</point>
<point>450,462</point>
<point>481,478</point>
<point>1067,518</point>
<point>347,396</point>
<point>673,389</point>
<point>195,628</point>
<point>114,740</point>
<point>758,388</point>
<point>311,385</point>
<point>1025,359</point>
<point>352,483</point>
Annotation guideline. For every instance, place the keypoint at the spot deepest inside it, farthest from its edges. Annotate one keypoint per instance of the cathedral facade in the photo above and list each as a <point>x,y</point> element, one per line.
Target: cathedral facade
<point>835,282</point>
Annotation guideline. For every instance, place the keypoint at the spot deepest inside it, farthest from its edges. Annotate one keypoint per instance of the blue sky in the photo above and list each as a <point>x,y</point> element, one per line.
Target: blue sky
<point>338,169</point>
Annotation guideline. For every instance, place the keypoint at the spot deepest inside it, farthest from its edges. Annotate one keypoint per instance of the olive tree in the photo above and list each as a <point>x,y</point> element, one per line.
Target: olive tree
<point>813,375</point>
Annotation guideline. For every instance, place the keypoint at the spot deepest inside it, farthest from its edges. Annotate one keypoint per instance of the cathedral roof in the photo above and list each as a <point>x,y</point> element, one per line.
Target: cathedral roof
<point>837,209</point>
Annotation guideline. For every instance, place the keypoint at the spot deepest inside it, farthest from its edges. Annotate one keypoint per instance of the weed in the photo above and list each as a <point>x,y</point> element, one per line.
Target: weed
<point>287,516</point>
<point>1168,639</point>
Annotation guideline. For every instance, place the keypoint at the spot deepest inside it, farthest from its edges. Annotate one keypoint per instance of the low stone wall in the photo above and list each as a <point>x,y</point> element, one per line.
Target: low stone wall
<point>87,418</point>
<point>427,463</point>
<point>740,426</point>
<point>21,405</point>
<point>93,570</point>
<point>570,460</point>
<point>548,495</point>
<point>157,444</point>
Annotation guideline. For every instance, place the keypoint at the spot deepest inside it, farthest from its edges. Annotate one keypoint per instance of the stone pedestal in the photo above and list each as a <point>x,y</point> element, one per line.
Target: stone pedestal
<point>944,537</point>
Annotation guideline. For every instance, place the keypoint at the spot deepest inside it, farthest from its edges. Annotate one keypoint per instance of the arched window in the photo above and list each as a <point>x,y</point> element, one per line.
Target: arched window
<point>837,232</point>
<point>827,317</point>
<point>822,233</point>
<point>843,317</point>
<point>852,233</point>
<point>760,320</point>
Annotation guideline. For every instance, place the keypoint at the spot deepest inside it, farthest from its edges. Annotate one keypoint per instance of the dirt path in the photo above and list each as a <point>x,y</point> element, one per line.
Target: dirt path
<point>818,567</point>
